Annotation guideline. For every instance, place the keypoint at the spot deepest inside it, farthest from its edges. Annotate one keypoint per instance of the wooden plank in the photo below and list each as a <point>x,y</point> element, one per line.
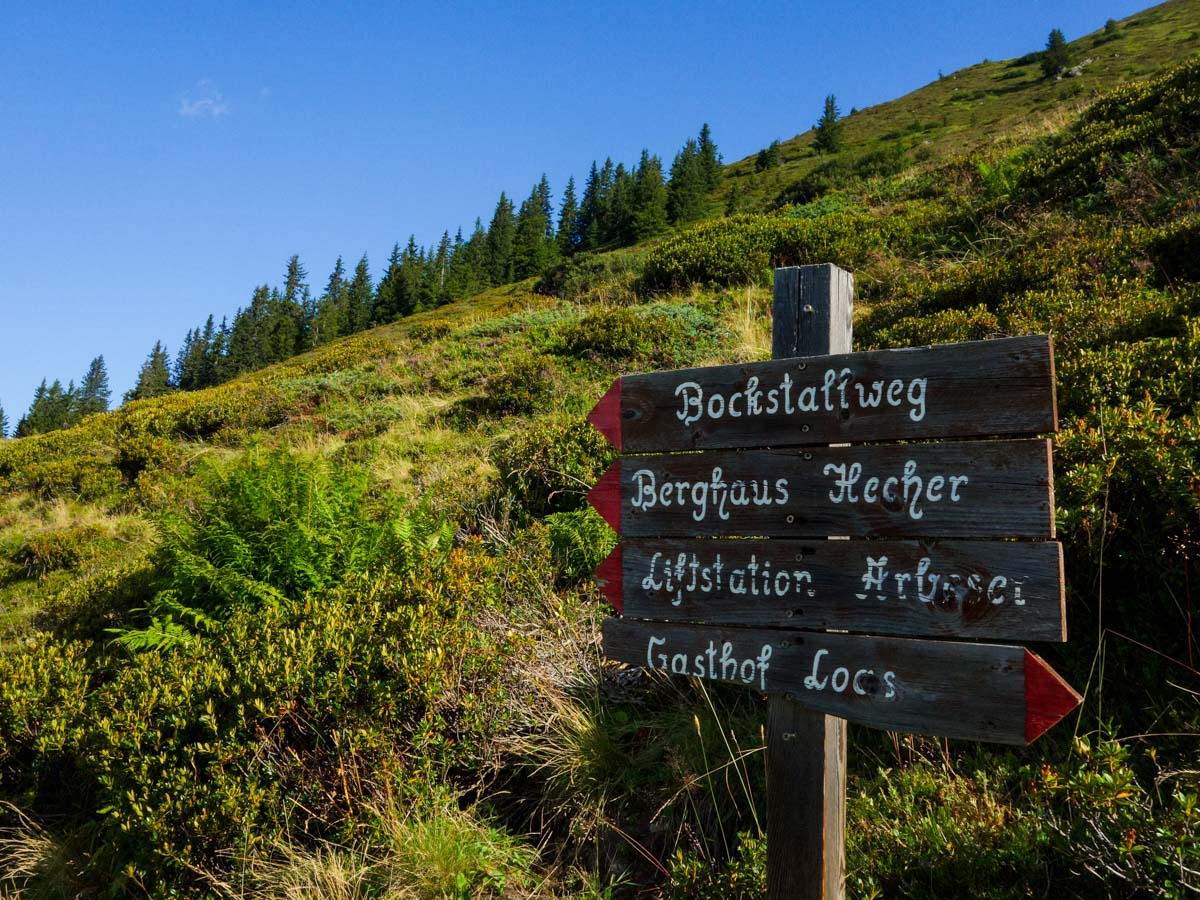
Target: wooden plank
<point>1002,590</point>
<point>806,797</point>
<point>974,389</point>
<point>972,489</point>
<point>812,311</point>
<point>983,692</point>
<point>812,315</point>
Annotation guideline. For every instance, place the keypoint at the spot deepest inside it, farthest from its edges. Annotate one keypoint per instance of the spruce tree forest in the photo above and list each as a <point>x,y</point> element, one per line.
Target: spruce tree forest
<point>619,206</point>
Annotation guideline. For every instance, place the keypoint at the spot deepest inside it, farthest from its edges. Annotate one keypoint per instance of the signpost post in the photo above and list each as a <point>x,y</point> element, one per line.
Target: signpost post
<point>847,553</point>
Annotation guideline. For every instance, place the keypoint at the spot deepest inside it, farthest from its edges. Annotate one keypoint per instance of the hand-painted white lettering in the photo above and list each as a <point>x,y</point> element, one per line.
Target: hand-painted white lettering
<point>874,577</point>
<point>648,493</point>
<point>837,389</point>
<point>915,490</point>
<point>692,575</point>
<point>693,402</point>
<point>947,590</point>
<point>654,642</point>
<point>707,664</point>
<point>864,681</point>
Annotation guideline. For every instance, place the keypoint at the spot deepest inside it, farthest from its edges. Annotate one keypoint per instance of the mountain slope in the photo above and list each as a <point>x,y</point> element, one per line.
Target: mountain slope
<point>333,622</point>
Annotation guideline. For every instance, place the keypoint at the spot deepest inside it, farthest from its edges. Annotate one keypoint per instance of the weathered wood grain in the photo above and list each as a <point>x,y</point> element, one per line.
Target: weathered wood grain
<point>966,489</point>
<point>1000,590</point>
<point>812,314</point>
<point>806,802</point>
<point>959,690</point>
<point>975,389</point>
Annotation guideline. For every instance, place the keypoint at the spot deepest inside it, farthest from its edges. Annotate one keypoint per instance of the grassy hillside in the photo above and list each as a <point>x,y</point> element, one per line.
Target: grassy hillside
<point>1004,102</point>
<point>328,630</point>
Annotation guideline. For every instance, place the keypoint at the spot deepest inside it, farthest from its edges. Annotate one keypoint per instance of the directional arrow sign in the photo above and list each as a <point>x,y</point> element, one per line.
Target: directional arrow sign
<point>985,692</point>
<point>952,390</point>
<point>974,489</point>
<point>974,589</point>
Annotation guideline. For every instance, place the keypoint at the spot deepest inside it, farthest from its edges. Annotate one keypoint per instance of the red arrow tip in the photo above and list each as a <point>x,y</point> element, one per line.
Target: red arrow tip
<point>1047,697</point>
<point>610,577</point>
<point>606,415</point>
<point>605,497</point>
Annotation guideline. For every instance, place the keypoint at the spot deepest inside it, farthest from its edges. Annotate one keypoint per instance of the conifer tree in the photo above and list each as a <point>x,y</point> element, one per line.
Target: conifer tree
<point>52,408</point>
<point>411,276</point>
<point>187,362</point>
<point>210,355</point>
<point>294,285</point>
<point>386,305</point>
<point>245,344</point>
<point>470,263</point>
<point>710,159</point>
<point>827,136</point>
<point>441,269</point>
<point>1057,57</point>
<point>3,424</point>
<point>220,353</point>
<point>534,249</point>
<point>586,223</point>
<point>768,158</point>
<point>359,297</point>
<point>296,306</point>
<point>154,378</point>
<point>94,392</point>
<point>619,209</point>
<point>283,330</point>
<point>567,237</point>
<point>649,199</point>
<point>64,405</point>
<point>499,245</point>
<point>35,416</point>
<point>685,192</point>
<point>328,322</point>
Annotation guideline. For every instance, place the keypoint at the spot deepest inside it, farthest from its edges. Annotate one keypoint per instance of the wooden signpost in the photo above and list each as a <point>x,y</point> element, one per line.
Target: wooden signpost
<point>726,569</point>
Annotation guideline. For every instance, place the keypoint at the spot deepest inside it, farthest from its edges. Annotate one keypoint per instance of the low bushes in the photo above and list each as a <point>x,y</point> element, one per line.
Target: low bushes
<point>552,463</point>
<point>287,716</point>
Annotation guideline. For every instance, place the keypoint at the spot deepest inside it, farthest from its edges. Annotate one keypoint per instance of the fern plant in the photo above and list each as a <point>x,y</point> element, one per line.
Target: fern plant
<point>275,525</point>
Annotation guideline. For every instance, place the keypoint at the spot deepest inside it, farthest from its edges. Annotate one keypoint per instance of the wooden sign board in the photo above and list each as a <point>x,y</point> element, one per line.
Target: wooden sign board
<point>996,387</point>
<point>967,489</point>
<point>984,692</point>
<point>1002,590</point>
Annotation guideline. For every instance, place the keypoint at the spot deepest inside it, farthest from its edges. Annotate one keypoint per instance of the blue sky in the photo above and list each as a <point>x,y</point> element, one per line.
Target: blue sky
<point>158,160</point>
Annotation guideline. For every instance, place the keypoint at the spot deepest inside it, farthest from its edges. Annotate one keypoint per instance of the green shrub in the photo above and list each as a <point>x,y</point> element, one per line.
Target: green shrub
<point>741,249</point>
<point>273,526</point>
<point>592,278</point>
<point>50,551</point>
<point>433,330</point>
<point>1114,832</point>
<point>744,876</point>
<point>616,333</point>
<point>1162,114</point>
<point>944,327</point>
<point>580,540</point>
<point>926,831</point>
<point>829,176</point>
<point>551,464</point>
<point>523,384</point>
<point>287,718</point>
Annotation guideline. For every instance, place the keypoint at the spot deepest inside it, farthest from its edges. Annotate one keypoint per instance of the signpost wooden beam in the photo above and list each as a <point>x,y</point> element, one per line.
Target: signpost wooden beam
<point>812,315</point>
<point>981,692</point>
<point>1003,590</point>
<point>998,387</point>
<point>963,489</point>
